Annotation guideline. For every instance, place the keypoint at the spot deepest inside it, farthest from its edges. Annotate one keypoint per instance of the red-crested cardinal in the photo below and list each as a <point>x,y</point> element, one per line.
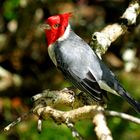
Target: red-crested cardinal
<point>79,63</point>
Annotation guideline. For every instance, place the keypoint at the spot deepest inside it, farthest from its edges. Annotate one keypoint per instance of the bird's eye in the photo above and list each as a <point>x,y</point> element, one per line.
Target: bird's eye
<point>56,25</point>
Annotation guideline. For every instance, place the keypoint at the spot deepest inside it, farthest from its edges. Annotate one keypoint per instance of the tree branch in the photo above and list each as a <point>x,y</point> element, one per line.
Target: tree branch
<point>44,109</point>
<point>123,116</point>
<point>103,39</point>
<point>95,112</point>
<point>101,129</point>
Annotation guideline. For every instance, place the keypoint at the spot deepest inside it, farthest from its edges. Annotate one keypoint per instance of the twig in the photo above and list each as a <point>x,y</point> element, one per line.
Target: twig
<point>39,125</point>
<point>18,120</point>
<point>123,116</point>
<point>75,133</point>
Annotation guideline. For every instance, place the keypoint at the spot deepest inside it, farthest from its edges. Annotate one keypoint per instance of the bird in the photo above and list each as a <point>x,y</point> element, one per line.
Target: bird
<point>79,63</point>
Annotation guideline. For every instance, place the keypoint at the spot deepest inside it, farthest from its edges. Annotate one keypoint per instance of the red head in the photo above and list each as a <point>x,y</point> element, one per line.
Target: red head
<point>55,27</point>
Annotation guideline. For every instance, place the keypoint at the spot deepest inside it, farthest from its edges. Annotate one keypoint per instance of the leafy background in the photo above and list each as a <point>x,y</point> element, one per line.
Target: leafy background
<point>23,52</point>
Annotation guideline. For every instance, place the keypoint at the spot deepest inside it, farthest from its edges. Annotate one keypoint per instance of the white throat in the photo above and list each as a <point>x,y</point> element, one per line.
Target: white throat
<point>51,47</point>
<point>66,33</point>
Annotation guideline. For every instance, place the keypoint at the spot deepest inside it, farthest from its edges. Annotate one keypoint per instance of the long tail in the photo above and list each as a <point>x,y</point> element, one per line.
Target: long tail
<point>125,95</point>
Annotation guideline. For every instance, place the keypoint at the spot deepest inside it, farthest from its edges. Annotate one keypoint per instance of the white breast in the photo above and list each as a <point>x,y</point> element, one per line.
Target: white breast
<point>51,47</point>
<point>52,54</point>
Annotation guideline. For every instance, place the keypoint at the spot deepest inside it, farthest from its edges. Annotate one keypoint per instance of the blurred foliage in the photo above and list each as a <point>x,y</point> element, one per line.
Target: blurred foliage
<point>9,9</point>
<point>23,51</point>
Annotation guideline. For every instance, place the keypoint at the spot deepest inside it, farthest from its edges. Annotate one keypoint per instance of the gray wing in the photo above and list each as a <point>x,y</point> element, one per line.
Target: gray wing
<point>80,65</point>
<point>87,72</point>
<point>88,84</point>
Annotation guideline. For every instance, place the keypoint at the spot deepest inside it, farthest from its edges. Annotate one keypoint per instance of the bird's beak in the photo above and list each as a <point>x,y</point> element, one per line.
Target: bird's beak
<point>45,26</point>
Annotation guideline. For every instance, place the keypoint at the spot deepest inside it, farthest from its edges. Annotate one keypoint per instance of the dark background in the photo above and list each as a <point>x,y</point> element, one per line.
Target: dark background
<point>23,53</point>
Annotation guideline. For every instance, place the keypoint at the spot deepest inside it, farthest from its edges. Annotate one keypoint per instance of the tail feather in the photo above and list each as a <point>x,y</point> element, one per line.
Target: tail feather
<point>125,95</point>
